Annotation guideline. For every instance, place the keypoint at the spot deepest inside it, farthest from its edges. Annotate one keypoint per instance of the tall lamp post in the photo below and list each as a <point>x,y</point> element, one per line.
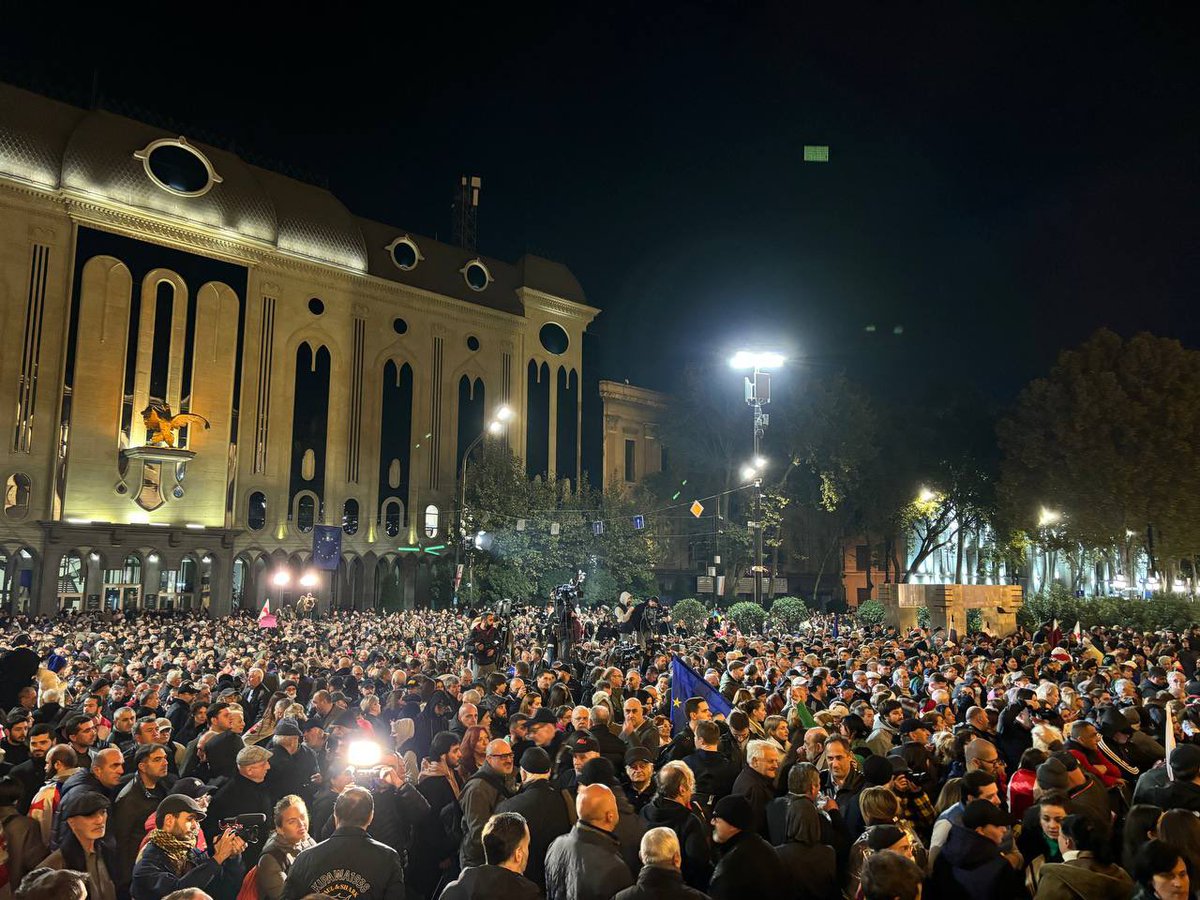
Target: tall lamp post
<point>495,427</point>
<point>758,395</point>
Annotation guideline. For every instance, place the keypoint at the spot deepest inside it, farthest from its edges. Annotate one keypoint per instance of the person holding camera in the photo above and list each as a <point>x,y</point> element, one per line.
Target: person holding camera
<point>170,861</point>
<point>484,643</point>
<point>243,794</point>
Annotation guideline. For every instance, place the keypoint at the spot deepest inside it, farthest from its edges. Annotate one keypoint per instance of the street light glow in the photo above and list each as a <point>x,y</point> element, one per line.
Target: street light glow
<point>495,426</point>
<point>1049,517</point>
<point>759,462</point>
<point>504,413</point>
<point>927,495</point>
<point>749,473</point>
<point>281,577</point>
<point>756,359</point>
<point>309,579</point>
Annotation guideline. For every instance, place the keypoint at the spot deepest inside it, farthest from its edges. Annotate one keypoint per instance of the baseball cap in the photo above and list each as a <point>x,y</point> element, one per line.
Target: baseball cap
<point>248,756</point>
<point>583,742</point>
<point>192,787</point>
<point>978,813</point>
<point>174,804</point>
<point>638,754</point>
<point>535,761</point>
<point>82,803</point>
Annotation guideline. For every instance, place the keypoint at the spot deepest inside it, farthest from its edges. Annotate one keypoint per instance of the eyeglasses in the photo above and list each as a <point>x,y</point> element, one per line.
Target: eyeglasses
<point>499,756</point>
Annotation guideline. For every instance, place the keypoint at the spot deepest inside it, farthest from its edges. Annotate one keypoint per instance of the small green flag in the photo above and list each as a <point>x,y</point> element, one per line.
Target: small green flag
<point>816,154</point>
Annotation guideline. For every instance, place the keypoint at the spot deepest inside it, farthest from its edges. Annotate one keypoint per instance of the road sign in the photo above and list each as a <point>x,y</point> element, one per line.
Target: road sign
<point>816,154</point>
<point>639,522</point>
<point>597,528</point>
<point>697,508</point>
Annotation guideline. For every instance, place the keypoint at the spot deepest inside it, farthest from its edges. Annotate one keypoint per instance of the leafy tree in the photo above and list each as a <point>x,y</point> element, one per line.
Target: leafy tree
<point>691,612</point>
<point>789,613</point>
<point>1111,439</point>
<point>747,615</point>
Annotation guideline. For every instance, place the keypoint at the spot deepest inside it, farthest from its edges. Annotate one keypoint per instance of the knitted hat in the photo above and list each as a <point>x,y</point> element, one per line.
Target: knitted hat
<point>1052,776</point>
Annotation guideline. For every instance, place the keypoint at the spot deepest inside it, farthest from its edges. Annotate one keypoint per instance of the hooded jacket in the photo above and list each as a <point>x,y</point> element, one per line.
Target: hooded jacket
<point>810,863</point>
<point>1084,878</point>
<point>971,865</point>
<point>694,845</point>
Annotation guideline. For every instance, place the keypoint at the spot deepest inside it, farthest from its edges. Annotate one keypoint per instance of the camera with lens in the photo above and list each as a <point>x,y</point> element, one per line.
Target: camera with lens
<point>245,826</point>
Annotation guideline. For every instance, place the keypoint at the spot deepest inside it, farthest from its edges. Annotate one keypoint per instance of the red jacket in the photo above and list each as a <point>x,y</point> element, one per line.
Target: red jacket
<point>1108,774</point>
<point>1020,792</point>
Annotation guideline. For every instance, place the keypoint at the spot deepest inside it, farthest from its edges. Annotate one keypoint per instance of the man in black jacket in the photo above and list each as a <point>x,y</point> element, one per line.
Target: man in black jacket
<point>18,667</point>
<point>749,866</point>
<point>243,794</point>
<point>543,807</point>
<point>350,863</point>
<point>479,798</point>
<point>507,851</point>
<point>672,808</point>
<point>660,877</point>
<point>757,781</point>
<point>586,863</point>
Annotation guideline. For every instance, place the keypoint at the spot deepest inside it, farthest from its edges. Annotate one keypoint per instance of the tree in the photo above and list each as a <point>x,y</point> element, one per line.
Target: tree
<point>1111,440</point>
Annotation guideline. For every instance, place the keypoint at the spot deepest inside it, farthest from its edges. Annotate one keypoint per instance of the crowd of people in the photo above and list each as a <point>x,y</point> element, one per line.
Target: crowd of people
<point>435,754</point>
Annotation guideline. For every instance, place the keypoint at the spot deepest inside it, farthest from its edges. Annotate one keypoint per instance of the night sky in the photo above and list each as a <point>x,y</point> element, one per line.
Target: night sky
<point>1003,180</point>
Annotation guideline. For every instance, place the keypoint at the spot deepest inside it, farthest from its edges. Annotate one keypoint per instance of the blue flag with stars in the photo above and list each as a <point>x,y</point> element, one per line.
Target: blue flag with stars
<point>685,683</point>
<point>327,546</point>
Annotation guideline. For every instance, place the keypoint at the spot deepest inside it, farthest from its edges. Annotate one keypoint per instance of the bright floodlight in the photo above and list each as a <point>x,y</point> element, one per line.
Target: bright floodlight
<point>759,462</point>
<point>927,495</point>
<point>756,359</point>
<point>495,426</point>
<point>282,577</point>
<point>1048,517</point>
<point>309,579</point>
<point>504,413</point>
<point>749,473</point>
<point>363,754</point>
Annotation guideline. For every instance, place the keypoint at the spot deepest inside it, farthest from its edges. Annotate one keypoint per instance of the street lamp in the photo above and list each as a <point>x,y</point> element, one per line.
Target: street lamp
<point>1048,517</point>
<point>758,395</point>
<point>498,424</point>
<point>309,579</point>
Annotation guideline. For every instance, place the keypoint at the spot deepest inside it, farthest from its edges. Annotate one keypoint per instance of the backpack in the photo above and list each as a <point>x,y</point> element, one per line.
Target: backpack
<point>249,888</point>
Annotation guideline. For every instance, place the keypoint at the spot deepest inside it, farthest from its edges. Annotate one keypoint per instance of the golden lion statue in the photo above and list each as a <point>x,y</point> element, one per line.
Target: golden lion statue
<point>162,424</point>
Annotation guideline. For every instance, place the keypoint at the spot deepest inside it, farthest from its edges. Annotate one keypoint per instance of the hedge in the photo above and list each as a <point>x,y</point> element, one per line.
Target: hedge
<point>747,616</point>
<point>691,612</point>
<point>788,614</point>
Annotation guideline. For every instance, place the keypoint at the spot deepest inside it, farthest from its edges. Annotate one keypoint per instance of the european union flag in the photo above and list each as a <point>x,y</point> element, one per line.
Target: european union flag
<point>327,546</point>
<point>685,683</point>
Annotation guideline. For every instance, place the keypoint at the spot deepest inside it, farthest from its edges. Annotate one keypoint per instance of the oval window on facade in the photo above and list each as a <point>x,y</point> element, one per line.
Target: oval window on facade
<point>476,274</point>
<point>178,167</point>
<point>394,474</point>
<point>316,306</point>
<point>399,326</point>
<point>256,511</point>
<point>554,338</point>
<point>308,465</point>
<point>431,521</point>
<point>405,253</point>
<point>350,516</point>
<point>391,519</point>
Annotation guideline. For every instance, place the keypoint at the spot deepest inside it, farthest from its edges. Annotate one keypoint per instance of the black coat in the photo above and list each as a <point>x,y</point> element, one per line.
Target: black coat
<point>657,883</point>
<point>349,864</point>
<point>239,796</point>
<point>18,668</point>
<point>695,847</point>
<point>585,864</point>
<point>489,882</point>
<point>292,773</point>
<point>812,870</point>
<point>970,865</point>
<point>715,772</point>
<point>748,867</point>
<point>546,813</point>
<point>759,791</point>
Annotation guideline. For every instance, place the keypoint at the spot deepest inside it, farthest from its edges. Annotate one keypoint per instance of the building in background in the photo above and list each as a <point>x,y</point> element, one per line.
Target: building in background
<point>341,368</point>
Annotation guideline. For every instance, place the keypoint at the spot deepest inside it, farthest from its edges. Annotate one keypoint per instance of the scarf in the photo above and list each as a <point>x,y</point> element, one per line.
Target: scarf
<point>439,770</point>
<point>176,849</point>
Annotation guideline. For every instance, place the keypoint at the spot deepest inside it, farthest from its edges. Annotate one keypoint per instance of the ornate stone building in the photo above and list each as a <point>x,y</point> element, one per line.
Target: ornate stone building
<point>340,369</point>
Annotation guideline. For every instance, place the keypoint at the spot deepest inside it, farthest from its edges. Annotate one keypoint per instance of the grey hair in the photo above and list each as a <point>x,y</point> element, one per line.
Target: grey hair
<point>659,847</point>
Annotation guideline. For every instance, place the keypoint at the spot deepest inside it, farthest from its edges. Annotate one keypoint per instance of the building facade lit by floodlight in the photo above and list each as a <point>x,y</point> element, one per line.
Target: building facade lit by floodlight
<point>333,368</point>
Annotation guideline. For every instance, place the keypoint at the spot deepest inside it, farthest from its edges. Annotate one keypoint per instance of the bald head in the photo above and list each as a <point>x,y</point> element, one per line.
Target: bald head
<point>500,756</point>
<point>597,806</point>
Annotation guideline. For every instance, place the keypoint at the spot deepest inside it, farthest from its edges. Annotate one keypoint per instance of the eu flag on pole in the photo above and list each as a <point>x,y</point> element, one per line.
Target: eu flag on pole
<point>685,683</point>
<point>327,546</point>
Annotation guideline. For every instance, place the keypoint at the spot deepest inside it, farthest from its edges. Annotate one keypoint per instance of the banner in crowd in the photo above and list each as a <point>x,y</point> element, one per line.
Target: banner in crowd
<point>685,683</point>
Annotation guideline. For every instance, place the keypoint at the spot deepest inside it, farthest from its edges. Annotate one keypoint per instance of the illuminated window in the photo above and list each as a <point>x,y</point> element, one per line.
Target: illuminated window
<point>350,516</point>
<point>393,516</point>
<point>16,495</point>
<point>177,167</point>
<point>306,513</point>
<point>431,521</point>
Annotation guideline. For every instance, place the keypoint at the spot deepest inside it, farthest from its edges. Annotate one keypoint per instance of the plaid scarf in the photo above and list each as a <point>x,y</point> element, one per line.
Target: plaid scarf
<point>176,849</point>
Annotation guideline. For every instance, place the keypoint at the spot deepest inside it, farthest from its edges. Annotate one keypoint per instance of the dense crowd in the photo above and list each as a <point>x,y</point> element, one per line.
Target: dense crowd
<point>428,754</point>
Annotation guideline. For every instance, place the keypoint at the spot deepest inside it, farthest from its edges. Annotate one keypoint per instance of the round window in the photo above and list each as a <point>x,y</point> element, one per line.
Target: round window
<point>399,326</point>
<point>477,276</point>
<point>176,166</point>
<point>404,254</point>
<point>315,306</point>
<point>472,343</point>
<point>554,338</point>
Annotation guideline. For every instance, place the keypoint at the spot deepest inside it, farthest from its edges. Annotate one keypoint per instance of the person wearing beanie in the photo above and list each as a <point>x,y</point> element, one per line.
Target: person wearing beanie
<point>748,866</point>
<point>547,810</point>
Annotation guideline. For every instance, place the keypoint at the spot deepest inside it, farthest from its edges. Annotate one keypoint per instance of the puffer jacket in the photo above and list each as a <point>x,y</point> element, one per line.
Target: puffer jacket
<point>585,864</point>
<point>274,864</point>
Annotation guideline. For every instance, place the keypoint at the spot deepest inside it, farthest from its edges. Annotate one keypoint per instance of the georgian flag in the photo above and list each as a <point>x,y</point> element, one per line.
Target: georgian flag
<point>265,618</point>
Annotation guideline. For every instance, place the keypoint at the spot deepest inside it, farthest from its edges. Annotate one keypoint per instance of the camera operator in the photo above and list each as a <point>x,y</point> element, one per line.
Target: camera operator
<point>244,793</point>
<point>484,644</point>
<point>170,860</point>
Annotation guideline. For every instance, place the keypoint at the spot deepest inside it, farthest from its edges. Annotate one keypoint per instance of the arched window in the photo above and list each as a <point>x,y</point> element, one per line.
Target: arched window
<point>393,517</point>
<point>256,511</point>
<point>431,521</point>
<point>306,513</point>
<point>16,495</point>
<point>350,516</point>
